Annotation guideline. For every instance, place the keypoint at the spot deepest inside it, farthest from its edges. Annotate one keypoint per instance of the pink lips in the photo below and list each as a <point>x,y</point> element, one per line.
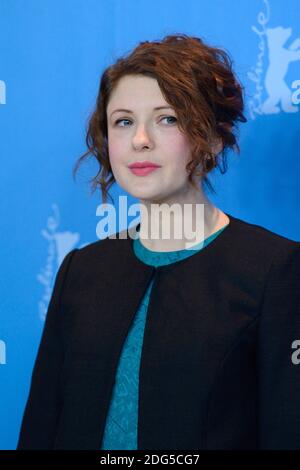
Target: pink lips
<point>144,170</point>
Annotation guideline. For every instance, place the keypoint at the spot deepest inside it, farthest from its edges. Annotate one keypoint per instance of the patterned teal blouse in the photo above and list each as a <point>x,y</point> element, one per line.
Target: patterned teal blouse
<point>120,431</point>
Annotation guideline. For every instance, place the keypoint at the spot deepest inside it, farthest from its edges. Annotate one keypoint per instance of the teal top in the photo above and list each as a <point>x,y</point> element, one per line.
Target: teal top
<point>120,431</point>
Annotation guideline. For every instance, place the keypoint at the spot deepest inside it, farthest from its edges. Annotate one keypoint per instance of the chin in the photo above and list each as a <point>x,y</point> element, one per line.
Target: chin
<point>142,191</point>
<point>147,198</point>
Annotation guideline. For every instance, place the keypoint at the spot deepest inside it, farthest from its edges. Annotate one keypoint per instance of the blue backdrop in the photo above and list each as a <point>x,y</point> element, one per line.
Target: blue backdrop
<point>52,53</point>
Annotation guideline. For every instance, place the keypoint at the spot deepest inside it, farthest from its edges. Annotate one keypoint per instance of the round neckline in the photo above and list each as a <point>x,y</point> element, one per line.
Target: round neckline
<point>196,247</point>
<point>177,256</point>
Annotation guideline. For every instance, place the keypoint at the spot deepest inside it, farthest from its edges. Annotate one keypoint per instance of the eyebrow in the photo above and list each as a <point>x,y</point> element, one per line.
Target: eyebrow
<point>129,111</point>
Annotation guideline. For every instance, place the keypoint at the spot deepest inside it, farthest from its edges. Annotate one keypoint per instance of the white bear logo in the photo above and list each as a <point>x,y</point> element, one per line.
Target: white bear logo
<point>279,60</point>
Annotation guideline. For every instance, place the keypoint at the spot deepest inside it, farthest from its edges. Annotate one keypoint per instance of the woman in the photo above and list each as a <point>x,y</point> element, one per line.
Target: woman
<point>170,343</point>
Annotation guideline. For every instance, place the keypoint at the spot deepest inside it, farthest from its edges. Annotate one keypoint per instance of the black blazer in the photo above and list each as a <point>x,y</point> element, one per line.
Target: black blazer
<point>219,366</point>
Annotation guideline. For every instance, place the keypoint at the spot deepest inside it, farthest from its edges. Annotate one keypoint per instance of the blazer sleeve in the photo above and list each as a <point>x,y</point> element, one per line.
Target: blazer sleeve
<point>279,334</point>
<point>41,412</point>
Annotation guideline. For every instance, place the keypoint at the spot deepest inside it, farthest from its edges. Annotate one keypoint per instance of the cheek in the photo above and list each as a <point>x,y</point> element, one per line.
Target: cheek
<point>114,150</point>
<point>178,149</point>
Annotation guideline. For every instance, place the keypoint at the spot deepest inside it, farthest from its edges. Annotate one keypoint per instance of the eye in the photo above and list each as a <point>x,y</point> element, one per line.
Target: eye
<point>128,120</point>
<point>167,117</point>
<point>120,120</point>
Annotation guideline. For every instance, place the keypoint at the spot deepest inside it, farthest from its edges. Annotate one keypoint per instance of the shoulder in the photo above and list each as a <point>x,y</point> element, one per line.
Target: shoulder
<point>97,256</point>
<point>106,246</point>
<point>269,253</point>
<point>261,241</point>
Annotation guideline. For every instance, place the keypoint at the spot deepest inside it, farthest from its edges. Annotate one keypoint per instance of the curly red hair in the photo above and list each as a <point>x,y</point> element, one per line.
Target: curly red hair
<point>197,80</point>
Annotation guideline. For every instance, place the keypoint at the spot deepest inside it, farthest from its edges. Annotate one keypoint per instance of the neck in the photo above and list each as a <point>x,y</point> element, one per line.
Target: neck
<point>192,219</point>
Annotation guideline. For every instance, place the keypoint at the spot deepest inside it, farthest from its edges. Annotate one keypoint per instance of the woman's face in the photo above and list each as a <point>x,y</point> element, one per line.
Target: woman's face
<point>146,134</point>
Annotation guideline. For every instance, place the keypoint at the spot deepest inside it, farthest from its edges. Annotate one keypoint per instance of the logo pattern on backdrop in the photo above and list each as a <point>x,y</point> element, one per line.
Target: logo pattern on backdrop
<point>59,244</point>
<point>269,73</point>
<point>2,92</point>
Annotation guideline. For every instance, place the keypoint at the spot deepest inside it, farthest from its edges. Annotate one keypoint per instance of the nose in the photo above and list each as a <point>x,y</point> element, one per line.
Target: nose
<point>141,138</point>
